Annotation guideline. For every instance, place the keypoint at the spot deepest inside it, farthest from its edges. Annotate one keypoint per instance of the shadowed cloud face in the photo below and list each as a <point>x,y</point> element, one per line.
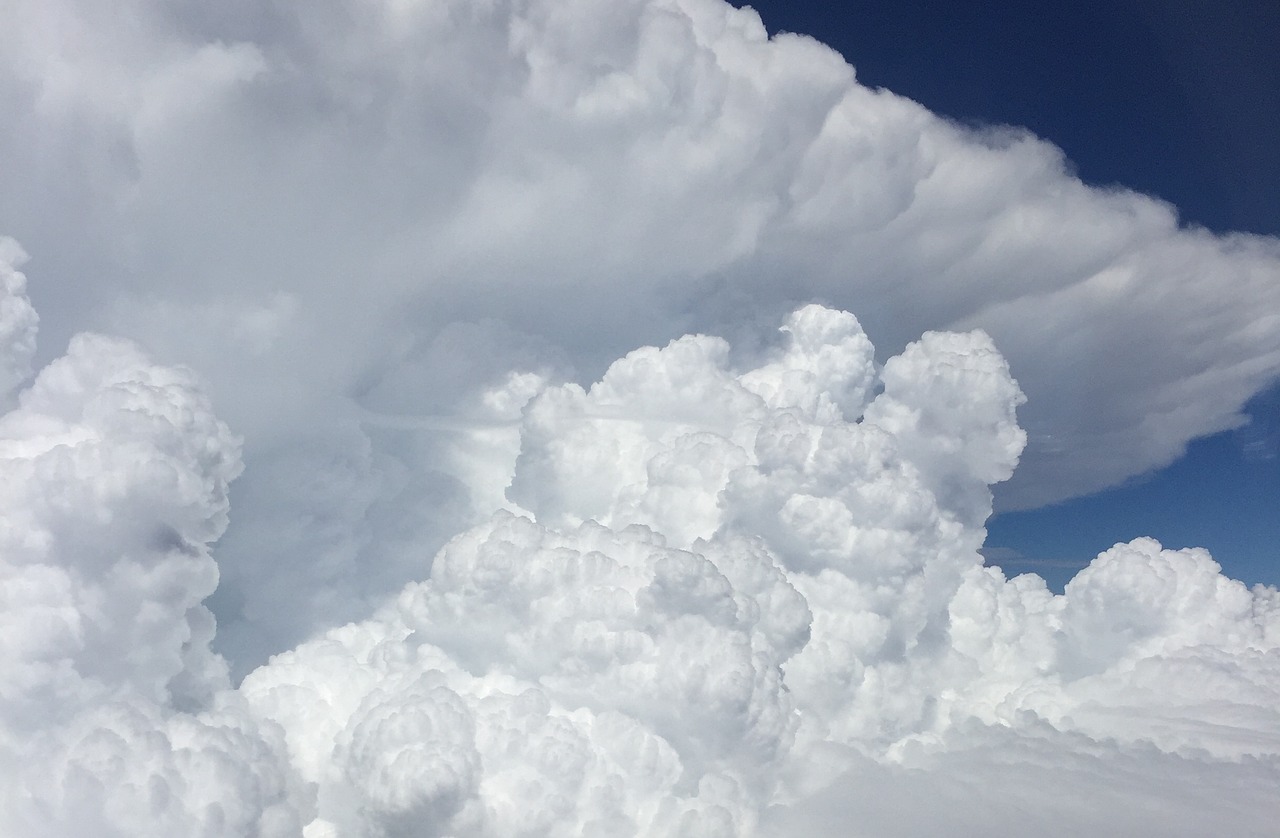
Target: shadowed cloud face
<point>693,588</point>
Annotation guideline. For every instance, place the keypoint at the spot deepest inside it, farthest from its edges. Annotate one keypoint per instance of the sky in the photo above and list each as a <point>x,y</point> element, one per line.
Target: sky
<point>587,417</point>
<point>1180,100</point>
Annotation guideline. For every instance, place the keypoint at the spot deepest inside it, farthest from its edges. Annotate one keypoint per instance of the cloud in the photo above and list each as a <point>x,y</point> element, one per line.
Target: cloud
<point>388,206</point>
<point>720,598</point>
<point>747,593</point>
<point>724,600</point>
<point>18,321</point>
<point>114,714</point>
<point>492,570</point>
<point>994,781</point>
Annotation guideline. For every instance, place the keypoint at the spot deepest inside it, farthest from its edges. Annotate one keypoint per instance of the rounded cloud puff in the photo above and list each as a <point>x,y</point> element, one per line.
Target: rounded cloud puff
<point>819,618</point>
<point>548,683</point>
<point>115,716</point>
<point>115,482</point>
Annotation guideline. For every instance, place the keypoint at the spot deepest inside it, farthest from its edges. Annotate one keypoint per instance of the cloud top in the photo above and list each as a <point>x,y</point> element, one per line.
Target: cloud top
<point>586,179</point>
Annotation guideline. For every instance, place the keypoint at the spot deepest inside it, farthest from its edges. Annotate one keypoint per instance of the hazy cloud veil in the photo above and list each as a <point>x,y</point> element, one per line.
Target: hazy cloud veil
<point>519,576</point>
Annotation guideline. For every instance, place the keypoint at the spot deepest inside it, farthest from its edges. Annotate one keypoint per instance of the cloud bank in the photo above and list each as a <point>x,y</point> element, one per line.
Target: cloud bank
<point>491,570</point>
<point>364,209</point>
<point>722,600</point>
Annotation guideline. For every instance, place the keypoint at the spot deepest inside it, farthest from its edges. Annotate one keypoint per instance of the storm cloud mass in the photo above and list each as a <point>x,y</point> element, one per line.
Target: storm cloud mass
<point>369,518</point>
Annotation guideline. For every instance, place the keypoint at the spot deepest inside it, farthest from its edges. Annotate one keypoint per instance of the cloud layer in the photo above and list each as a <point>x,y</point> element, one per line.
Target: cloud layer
<point>723,600</point>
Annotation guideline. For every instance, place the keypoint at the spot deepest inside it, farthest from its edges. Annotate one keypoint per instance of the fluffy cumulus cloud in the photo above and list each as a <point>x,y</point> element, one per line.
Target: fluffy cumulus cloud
<point>722,600</point>
<point>114,713</point>
<point>492,570</point>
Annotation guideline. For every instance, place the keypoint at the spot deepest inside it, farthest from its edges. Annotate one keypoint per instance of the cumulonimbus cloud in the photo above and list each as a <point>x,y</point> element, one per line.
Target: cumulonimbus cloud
<point>520,577</point>
<point>722,600</point>
<point>363,212</point>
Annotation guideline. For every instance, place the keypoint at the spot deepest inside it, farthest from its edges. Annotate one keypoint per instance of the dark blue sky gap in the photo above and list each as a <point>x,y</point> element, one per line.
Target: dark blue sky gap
<point>1175,98</point>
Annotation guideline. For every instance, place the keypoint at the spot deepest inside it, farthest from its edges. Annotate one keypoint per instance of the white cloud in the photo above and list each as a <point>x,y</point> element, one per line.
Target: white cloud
<point>747,591</point>
<point>393,204</point>
<point>767,583</point>
<point>114,713</point>
<point>731,583</point>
